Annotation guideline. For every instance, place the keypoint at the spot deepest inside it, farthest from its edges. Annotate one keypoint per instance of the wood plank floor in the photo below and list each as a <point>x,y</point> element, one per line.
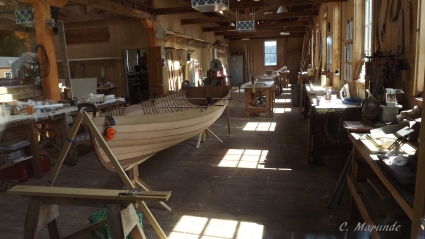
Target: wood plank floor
<point>256,184</point>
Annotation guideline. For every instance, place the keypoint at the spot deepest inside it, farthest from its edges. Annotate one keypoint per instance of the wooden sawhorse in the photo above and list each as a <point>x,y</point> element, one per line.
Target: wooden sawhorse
<point>122,218</point>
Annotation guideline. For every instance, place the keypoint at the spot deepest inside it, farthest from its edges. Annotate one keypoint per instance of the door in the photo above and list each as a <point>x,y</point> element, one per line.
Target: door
<point>236,70</point>
<point>155,65</point>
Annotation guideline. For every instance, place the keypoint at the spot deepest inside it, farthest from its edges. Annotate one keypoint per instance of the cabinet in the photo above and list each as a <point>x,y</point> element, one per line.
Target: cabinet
<point>236,70</point>
<point>377,197</point>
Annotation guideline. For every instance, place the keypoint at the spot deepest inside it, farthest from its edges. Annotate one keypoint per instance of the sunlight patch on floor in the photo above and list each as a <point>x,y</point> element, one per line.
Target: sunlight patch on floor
<point>281,110</point>
<point>191,227</point>
<point>260,126</point>
<point>247,158</point>
<point>282,100</point>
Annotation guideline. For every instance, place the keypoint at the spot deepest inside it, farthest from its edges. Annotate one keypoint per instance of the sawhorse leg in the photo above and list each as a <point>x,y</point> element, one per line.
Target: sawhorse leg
<point>40,215</point>
<point>202,137</point>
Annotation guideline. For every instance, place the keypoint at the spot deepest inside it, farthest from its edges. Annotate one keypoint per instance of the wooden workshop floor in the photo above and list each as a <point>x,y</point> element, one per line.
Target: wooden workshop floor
<point>256,184</point>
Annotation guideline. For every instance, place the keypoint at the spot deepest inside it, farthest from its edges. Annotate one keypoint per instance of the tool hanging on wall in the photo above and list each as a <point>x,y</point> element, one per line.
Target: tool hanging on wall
<point>384,23</point>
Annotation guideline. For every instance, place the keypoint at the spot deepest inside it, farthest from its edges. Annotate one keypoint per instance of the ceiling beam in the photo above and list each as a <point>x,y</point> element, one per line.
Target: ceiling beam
<point>262,31</point>
<point>274,36</point>
<point>276,25</point>
<point>235,4</point>
<point>257,17</point>
<point>239,5</point>
<point>90,17</point>
<point>13,28</point>
<point>117,8</point>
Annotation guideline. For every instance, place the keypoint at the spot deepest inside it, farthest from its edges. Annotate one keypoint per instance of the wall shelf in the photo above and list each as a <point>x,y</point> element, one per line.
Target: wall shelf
<point>93,59</point>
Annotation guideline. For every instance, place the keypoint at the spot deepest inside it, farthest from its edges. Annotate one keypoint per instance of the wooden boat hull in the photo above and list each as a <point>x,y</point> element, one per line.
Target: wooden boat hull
<point>150,127</point>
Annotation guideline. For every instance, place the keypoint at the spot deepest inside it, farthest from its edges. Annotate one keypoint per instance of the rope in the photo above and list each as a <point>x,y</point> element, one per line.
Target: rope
<point>43,66</point>
<point>394,18</point>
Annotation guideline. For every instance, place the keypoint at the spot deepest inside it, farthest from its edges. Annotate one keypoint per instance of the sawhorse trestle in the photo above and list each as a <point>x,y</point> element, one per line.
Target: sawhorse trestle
<point>122,218</point>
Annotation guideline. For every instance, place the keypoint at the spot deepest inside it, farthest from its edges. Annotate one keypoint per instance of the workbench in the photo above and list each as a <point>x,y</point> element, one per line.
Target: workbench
<point>60,118</point>
<point>251,92</point>
<point>377,198</point>
<point>30,122</point>
<point>320,125</point>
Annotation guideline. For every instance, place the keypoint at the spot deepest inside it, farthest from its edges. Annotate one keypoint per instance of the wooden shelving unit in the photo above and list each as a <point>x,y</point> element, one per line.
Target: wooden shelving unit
<point>390,201</point>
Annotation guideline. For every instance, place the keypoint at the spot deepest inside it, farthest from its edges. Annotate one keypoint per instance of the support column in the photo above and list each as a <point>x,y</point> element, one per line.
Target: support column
<point>44,36</point>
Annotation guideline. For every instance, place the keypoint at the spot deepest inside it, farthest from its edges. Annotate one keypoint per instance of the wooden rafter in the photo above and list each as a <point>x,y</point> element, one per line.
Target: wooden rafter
<point>13,28</point>
<point>267,26</point>
<point>240,5</point>
<point>117,8</point>
<point>258,36</point>
<point>259,17</point>
<point>263,31</point>
<point>91,17</point>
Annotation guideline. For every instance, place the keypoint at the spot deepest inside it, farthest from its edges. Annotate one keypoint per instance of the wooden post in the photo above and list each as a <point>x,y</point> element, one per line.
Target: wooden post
<point>44,36</point>
<point>151,26</point>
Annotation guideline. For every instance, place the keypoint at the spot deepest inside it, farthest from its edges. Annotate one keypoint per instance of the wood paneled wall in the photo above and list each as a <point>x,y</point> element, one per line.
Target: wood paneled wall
<point>353,9</point>
<point>288,50</point>
<point>123,34</point>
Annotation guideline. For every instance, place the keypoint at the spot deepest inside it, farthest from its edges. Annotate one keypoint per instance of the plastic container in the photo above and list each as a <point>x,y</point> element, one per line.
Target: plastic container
<point>388,113</point>
<point>328,94</point>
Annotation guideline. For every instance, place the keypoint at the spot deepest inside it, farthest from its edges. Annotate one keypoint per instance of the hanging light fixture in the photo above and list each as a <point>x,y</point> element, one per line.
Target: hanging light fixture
<point>210,6</point>
<point>282,9</point>
<point>246,25</point>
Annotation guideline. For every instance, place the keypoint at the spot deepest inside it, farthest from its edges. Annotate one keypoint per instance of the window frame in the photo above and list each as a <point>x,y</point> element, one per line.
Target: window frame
<point>270,53</point>
<point>6,73</point>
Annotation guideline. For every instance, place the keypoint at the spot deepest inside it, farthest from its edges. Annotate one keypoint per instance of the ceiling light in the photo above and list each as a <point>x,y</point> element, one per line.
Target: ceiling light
<point>282,9</point>
<point>245,39</point>
<point>231,24</point>
<point>284,33</point>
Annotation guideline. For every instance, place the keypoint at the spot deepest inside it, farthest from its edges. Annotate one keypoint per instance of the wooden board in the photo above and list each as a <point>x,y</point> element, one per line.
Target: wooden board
<point>82,87</point>
<point>403,174</point>
<point>87,35</point>
<point>98,194</point>
<point>380,188</point>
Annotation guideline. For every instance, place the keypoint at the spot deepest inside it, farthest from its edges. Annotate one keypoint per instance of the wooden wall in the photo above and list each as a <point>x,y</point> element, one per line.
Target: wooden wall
<point>289,54</point>
<point>353,9</point>
<point>124,33</point>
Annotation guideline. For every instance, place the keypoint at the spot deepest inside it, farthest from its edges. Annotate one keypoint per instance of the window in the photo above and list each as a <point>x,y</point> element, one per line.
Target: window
<point>367,35</point>
<point>270,53</point>
<point>329,53</point>
<point>8,75</point>
<point>348,50</point>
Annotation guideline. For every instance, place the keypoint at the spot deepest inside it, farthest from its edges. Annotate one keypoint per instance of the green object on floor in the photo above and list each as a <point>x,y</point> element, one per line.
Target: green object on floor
<point>103,232</point>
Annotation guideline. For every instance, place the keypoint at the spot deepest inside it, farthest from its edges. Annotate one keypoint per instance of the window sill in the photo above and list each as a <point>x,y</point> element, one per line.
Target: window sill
<point>359,84</point>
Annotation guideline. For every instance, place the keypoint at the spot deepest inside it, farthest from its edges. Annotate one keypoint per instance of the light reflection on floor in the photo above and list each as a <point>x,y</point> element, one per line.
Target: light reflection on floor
<point>191,227</point>
<point>260,126</point>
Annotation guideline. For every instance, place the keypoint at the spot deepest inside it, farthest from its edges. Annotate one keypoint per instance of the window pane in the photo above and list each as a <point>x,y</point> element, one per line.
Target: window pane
<point>270,53</point>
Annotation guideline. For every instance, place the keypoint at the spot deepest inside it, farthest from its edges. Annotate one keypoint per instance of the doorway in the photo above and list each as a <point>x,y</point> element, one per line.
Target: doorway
<point>136,75</point>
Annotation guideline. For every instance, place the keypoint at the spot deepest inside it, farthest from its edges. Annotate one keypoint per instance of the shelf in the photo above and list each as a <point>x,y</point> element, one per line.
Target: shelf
<point>93,59</point>
<point>376,211</point>
<point>11,164</point>
<point>402,196</point>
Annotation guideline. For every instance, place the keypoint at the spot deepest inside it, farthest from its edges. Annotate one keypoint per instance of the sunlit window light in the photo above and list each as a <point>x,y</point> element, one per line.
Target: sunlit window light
<point>283,101</point>
<point>191,227</point>
<point>260,126</point>
<point>281,110</point>
<point>285,93</point>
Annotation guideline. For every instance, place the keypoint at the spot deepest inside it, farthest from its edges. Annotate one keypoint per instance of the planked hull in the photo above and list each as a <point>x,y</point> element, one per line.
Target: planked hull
<point>155,125</point>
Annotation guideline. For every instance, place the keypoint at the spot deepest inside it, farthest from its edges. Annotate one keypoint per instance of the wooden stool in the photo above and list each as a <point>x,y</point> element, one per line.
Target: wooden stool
<point>122,218</point>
